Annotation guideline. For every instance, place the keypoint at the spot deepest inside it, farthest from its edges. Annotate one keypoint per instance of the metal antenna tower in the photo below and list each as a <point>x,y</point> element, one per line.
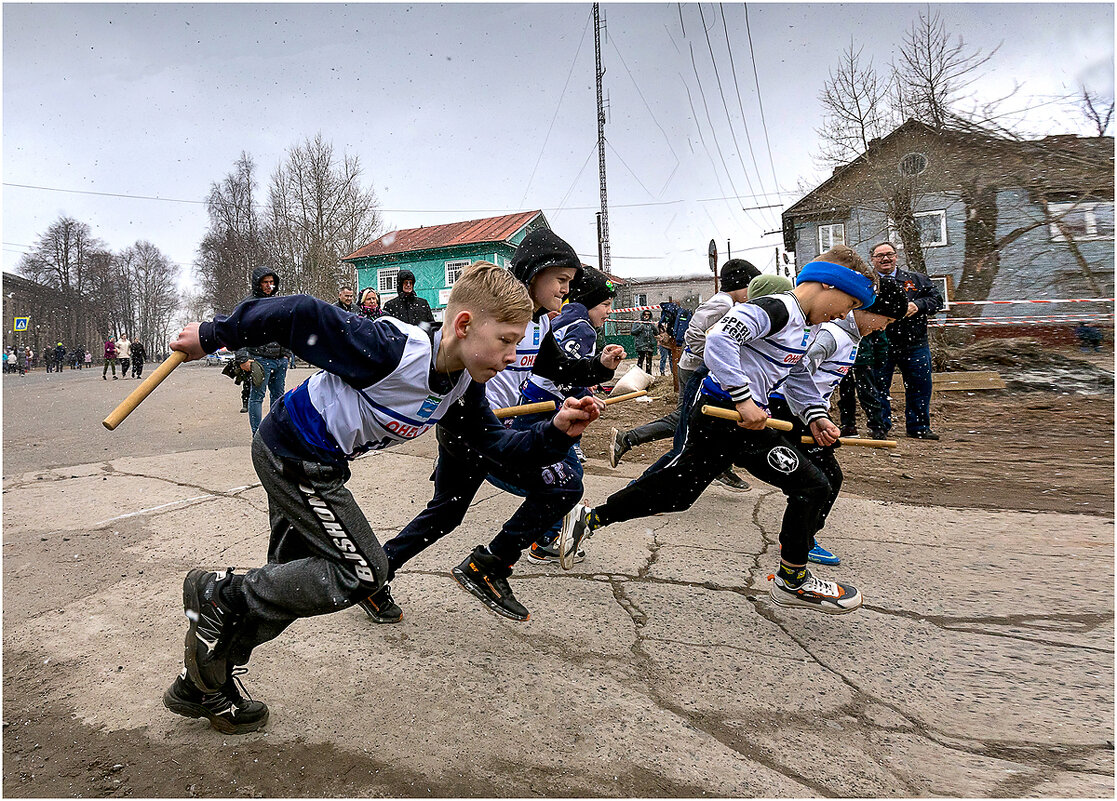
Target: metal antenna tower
<point>603,219</point>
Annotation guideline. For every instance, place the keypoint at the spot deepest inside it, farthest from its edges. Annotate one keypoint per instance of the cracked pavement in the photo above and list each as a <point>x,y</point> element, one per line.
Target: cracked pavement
<point>980,665</point>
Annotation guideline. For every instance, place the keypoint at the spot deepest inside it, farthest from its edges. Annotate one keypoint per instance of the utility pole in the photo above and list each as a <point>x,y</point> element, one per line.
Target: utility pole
<point>603,219</point>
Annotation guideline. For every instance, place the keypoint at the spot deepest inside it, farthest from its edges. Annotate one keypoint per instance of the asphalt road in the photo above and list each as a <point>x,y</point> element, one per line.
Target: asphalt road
<point>981,664</point>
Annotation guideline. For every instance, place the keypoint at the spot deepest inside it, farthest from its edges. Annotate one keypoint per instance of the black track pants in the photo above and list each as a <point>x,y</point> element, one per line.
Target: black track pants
<point>323,555</point>
<point>712,445</point>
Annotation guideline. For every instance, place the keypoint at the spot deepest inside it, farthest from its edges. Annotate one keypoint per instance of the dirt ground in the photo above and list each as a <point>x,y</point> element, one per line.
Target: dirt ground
<point>1025,450</point>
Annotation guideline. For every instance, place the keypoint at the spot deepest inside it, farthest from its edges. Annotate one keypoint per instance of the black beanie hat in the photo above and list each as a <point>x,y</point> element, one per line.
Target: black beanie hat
<point>405,275</point>
<point>591,287</point>
<point>736,274</point>
<point>540,249</point>
<point>891,300</point>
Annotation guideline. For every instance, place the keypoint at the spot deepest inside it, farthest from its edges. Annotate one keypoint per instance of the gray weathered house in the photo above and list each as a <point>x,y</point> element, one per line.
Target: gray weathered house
<point>994,218</point>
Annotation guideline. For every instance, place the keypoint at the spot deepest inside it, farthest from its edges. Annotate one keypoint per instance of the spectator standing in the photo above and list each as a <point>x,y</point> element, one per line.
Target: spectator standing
<point>110,359</point>
<point>370,303</point>
<point>7,355</point>
<point>25,361</point>
<point>88,359</point>
<point>59,357</point>
<point>124,353</point>
<point>139,355</point>
<point>267,363</point>
<point>644,333</point>
<point>345,299</point>
<point>407,306</point>
<point>661,341</point>
<point>908,348</point>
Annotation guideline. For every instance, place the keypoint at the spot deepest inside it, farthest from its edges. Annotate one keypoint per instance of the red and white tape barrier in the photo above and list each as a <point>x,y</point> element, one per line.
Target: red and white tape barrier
<point>999,302</point>
<point>635,308</point>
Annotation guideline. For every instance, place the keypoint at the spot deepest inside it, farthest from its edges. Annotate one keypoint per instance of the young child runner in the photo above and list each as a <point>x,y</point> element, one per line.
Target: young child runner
<point>575,329</point>
<point>828,360</point>
<point>749,353</point>
<point>387,382</point>
<point>546,265</point>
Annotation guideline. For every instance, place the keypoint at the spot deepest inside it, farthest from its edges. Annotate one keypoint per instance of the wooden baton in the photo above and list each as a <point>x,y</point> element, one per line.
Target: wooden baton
<point>129,404</point>
<point>863,443</point>
<point>733,414</point>
<point>550,406</point>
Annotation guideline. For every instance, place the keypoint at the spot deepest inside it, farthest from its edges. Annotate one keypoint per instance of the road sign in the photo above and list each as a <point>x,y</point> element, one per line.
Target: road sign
<point>713,251</point>
<point>21,323</point>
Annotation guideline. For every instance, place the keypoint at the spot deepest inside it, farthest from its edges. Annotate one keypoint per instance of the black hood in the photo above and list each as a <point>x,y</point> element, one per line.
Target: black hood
<point>258,274</point>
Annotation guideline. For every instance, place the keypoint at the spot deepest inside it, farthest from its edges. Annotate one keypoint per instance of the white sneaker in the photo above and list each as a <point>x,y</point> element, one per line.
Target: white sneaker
<point>814,593</point>
<point>573,533</point>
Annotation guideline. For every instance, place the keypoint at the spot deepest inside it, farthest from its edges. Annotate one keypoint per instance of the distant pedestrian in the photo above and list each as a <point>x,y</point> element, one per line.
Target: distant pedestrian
<point>370,303</point>
<point>267,363</point>
<point>124,353</point>
<point>25,361</point>
<point>662,340</point>
<point>345,299</point>
<point>6,366</point>
<point>59,357</point>
<point>644,333</point>
<point>88,359</point>
<point>139,354</point>
<point>407,306</point>
<point>110,359</point>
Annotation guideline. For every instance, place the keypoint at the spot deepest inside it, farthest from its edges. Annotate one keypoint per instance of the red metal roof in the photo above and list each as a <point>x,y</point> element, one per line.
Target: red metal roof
<point>431,237</point>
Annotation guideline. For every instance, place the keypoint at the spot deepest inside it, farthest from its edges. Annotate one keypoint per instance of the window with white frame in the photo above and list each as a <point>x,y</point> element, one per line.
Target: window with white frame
<point>932,229</point>
<point>1081,221</point>
<point>454,270</point>
<point>830,235</point>
<point>386,279</point>
<point>640,299</point>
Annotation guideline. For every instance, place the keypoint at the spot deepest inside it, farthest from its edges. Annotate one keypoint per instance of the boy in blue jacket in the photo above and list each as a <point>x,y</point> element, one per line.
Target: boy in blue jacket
<point>385,383</point>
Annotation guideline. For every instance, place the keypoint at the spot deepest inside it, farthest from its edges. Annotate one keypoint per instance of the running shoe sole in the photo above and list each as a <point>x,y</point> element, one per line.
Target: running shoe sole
<point>570,536</point>
<point>490,604</point>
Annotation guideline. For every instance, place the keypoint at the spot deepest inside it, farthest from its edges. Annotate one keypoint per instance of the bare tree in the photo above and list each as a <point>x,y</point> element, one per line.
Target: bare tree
<point>856,107</point>
<point>317,213</point>
<point>61,259</point>
<point>933,71</point>
<point>148,296</point>
<point>232,246</point>
<point>1097,109</point>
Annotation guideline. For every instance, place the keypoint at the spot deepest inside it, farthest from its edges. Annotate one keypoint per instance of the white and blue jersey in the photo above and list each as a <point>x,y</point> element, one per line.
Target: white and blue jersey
<point>751,352</point>
<point>379,386</point>
<point>503,389</point>
<point>577,339</point>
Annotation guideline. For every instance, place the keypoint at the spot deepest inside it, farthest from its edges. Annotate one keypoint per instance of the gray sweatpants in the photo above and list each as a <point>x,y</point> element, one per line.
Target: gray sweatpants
<point>323,555</point>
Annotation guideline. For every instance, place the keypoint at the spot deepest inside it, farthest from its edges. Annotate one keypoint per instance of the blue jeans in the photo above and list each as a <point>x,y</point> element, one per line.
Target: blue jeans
<point>275,375</point>
<point>664,358</point>
<point>915,367</point>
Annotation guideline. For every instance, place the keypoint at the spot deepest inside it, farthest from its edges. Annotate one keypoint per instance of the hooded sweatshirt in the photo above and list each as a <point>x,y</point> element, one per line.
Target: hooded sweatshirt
<point>272,350</point>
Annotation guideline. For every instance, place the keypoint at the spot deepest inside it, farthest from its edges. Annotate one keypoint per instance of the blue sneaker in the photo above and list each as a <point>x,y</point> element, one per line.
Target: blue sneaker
<point>821,556</point>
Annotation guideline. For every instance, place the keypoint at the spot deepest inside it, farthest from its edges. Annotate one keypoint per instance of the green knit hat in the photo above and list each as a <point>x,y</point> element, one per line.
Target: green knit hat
<point>768,285</point>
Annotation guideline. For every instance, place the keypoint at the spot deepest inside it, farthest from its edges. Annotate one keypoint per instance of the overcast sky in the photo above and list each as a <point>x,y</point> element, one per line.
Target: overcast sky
<point>464,111</point>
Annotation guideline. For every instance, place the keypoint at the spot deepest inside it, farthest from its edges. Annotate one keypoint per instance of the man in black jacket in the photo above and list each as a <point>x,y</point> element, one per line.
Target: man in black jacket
<point>267,363</point>
<point>345,299</point>
<point>407,306</point>
<point>907,347</point>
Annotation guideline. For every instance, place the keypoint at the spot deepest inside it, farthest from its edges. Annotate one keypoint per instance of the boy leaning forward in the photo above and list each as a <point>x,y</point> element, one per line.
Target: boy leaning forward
<point>386,383</point>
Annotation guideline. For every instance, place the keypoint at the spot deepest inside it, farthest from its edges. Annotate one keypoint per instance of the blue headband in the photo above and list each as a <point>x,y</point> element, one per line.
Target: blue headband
<point>849,281</point>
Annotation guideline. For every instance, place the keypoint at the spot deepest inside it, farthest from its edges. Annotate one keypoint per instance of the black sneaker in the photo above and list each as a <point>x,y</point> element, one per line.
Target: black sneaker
<point>849,431</point>
<point>877,433</point>
<point>381,607</point>
<point>617,449</point>
<point>732,480</point>
<point>227,710</point>
<point>210,623</point>
<point>928,434</point>
<point>483,576</point>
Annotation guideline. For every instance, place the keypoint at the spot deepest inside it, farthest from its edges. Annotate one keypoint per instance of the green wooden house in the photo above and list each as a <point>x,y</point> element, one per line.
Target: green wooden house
<point>436,254</point>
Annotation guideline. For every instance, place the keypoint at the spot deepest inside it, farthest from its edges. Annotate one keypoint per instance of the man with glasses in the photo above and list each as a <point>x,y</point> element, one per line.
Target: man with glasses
<point>907,349</point>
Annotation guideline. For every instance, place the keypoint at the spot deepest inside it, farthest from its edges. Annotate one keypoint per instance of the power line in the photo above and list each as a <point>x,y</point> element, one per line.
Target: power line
<point>557,107</point>
<point>630,170</point>
<point>759,98</point>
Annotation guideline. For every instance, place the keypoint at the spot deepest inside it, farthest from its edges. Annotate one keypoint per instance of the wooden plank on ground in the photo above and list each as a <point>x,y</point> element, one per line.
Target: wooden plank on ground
<point>968,380</point>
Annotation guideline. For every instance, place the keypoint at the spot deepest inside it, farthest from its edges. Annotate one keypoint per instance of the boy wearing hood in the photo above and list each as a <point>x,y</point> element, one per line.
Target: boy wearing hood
<point>267,363</point>
<point>546,265</point>
<point>407,306</point>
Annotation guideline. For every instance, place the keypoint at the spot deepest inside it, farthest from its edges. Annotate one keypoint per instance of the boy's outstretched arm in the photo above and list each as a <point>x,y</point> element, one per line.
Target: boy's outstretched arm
<point>358,350</point>
<point>561,368</point>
